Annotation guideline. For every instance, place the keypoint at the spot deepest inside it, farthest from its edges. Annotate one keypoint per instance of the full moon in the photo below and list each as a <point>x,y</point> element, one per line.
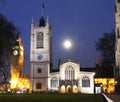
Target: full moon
<point>67,44</point>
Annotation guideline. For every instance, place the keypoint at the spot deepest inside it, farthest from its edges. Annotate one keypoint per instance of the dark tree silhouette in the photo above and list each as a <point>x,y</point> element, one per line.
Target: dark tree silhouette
<point>8,34</point>
<point>106,46</point>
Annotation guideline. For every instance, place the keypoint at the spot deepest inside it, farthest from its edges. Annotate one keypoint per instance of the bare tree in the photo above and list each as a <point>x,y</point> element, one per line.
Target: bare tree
<point>8,34</point>
<point>106,46</point>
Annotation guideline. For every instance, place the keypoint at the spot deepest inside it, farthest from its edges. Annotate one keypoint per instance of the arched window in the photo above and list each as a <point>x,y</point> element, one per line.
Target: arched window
<point>38,85</point>
<point>54,82</point>
<point>118,33</point>
<point>69,73</point>
<point>85,82</point>
<point>39,40</point>
<point>118,1</point>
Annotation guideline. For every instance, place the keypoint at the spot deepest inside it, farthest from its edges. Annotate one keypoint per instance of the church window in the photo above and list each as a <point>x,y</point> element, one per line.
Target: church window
<point>85,82</point>
<point>54,82</point>
<point>118,33</point>
<point>115,9</point>
<point>39,40</point>
<point>118,1</point>
<point>38,85</point>
<point>69,73</point>
<point>39,70</point>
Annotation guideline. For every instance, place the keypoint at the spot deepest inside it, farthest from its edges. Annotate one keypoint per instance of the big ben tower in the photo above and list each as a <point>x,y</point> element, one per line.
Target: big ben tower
<point>117,29</point>
<point>40,55</point>
<point>17,66</point>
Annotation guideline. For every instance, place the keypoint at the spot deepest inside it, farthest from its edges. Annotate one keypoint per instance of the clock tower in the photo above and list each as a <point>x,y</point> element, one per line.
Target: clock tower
<point>40,55</point>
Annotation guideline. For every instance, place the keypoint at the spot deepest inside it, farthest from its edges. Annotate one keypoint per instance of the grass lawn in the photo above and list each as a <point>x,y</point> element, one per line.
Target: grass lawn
<point>51,98</point>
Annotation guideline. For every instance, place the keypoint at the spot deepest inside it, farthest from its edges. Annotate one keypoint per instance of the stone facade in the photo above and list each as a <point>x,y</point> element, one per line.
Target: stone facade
<point>40,52</point>
<point>117,30</point>
<point>69,78</point>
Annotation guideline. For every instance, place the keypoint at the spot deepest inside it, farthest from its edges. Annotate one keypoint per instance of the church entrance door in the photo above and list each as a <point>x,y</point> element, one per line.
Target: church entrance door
<point>69,89</point>
<point>62,89</point>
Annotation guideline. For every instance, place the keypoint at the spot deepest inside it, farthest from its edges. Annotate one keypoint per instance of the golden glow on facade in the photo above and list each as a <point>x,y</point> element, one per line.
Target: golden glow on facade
<point>68,89</point>
<point>62,89</point>
<point>75,89</point>
<point>13,82</point>
<point>107,84</point>
<point>17,82</point>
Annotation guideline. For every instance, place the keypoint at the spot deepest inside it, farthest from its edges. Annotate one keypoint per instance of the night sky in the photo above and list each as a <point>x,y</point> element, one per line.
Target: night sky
<point>82,21</point>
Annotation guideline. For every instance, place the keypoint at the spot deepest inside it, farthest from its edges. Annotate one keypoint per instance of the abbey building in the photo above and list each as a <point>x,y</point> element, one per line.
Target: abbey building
<point>69,78</point>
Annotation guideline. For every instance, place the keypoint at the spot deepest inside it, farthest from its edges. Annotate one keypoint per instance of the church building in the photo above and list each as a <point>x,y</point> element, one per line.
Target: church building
<point>117,44</point>
<point>68,78</point>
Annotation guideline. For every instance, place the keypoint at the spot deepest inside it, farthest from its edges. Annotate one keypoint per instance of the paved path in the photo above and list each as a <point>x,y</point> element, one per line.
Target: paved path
<point>107,99</point>
<point>115,98</point>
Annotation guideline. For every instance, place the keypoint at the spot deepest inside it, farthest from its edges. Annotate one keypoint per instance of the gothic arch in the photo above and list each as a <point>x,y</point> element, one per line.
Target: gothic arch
<point>85,81</point>
<point>54,82</point>
<point>62,89</point>
<point>69,73</point>
<point>69,89</point>
<point>75,89</point>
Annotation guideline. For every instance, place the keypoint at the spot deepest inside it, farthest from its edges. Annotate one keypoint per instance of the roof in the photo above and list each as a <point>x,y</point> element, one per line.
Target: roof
<point>100,72</point>
<point>69,60</point>
<point>55,70</point>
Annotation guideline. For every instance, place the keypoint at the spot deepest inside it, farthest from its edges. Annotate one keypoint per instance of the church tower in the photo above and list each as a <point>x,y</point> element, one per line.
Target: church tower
<point>117,29</point>
<point>40,55</point>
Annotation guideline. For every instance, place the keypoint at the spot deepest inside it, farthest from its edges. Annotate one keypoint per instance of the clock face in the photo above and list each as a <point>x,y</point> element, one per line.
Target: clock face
<point>39,57</point>
<point>21,53</point>
<point>15,52</point>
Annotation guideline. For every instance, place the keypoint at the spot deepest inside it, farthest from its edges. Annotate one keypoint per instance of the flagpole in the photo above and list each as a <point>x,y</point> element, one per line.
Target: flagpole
<point>43,9</point>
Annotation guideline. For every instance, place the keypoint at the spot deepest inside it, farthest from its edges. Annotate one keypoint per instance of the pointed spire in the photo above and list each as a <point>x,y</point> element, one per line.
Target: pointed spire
<point>36,24</point>
<point>47,19</point>
<point>48,22</point>
<point>18,40</point>
<point>32,25</point>
<point>32,20</point>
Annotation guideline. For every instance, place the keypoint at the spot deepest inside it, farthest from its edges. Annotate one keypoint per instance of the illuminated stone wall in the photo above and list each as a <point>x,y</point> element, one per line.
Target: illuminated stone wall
<point>70,79</point>
<point>17,82</point>
<point>117,44</point>
<point>107,84</point>
<point>40,55</point>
